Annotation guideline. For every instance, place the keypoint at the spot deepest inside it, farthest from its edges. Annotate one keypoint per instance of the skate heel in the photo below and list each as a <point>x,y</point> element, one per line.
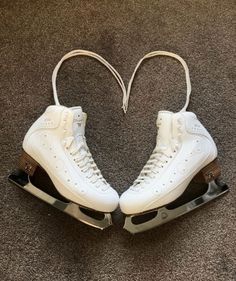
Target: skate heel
<point>27,164</point>
<point>209,172</point>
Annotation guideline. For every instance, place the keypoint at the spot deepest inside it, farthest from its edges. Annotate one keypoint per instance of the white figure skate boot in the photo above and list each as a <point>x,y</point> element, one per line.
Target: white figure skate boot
<point>184,151</point>
<point>56,164</point>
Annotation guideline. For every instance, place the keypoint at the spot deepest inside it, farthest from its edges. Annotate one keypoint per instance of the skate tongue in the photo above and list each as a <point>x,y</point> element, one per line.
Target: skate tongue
<point>164,123</point>
<point>79,121</point>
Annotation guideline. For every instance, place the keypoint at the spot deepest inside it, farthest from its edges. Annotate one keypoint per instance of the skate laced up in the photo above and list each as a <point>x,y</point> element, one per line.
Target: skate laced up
<point>160,156</point>
<point>79,150</point>
<point>158,159</point>
<point>77,144</point>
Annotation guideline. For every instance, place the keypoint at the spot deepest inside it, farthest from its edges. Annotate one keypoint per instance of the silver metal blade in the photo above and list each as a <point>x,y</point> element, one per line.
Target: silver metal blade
<point>163,215</point>
<point>69,208</point>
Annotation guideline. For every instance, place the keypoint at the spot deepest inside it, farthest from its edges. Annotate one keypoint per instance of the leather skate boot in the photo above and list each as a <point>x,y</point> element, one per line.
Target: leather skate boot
<point>185,153</point>
<point>57,166</point>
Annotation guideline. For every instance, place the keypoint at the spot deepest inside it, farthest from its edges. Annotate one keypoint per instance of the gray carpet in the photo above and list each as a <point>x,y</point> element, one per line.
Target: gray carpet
<point>38,242</point>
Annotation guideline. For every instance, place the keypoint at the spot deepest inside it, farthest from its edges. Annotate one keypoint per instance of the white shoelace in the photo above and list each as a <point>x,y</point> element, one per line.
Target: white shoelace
<point>88,54</point>
<point>156,162</point>
<point>126,93</point>
<point>160,53</point>
<point>159,156</point>
<point>83,158</point>
<point>80,151</point>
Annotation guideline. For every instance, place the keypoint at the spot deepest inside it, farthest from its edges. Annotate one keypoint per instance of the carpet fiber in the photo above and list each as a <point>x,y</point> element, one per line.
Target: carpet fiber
<point>38,242</point>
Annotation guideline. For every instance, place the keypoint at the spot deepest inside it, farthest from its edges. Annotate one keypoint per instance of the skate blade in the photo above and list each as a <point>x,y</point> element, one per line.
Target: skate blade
<point>90,217</point>
<point>144,221</point>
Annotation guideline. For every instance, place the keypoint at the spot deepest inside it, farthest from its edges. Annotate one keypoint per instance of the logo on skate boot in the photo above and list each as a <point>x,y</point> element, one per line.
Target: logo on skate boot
<point>28,167</point>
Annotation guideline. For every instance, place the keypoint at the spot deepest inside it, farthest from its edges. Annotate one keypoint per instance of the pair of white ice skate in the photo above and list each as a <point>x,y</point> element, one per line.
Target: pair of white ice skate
<point>57,166</point>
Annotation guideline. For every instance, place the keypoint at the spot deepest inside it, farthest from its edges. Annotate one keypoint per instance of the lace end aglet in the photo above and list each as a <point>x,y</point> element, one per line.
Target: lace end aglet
<point>124,108</point>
